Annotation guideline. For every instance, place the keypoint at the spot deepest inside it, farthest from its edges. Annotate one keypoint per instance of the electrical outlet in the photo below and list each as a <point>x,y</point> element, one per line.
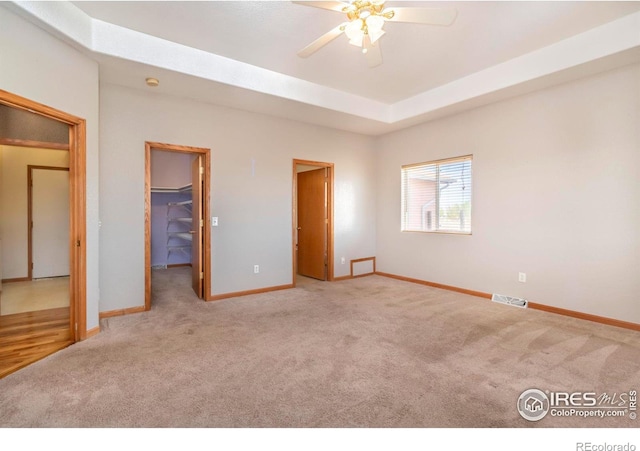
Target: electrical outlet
<point>522,277</point>
<point>343,261</point>
<point>256,269</point>
<point>214,221</point>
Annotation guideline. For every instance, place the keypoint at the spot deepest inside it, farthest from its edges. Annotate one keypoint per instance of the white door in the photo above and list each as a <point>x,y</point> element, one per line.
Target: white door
<point>50,216</point>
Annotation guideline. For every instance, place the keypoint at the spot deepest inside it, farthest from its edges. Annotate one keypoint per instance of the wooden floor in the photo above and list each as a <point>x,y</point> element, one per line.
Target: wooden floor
<point>28,337</point>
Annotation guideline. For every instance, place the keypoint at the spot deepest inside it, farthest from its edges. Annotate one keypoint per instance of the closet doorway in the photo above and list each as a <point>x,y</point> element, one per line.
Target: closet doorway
<point>177,197</point>
<point>312,219</point>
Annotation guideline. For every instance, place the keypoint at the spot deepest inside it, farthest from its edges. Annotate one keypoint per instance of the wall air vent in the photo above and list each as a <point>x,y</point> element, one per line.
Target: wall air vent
<point>509,300</point>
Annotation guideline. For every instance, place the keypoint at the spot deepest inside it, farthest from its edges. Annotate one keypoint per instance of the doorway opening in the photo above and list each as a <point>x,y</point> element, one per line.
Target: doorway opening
<point>312,220</point>
<point>177,198</point>
<point>33,252</point>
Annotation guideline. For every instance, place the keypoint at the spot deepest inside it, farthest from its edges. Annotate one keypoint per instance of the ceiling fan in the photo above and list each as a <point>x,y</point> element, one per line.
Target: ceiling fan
<point>365,22</point>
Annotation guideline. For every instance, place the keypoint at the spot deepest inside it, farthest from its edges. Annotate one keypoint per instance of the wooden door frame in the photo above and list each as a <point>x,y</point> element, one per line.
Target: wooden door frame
<point>30,169</point>
<point>77,206</point>
<point>294,216</point>
<point>206,214</point>
<point>197,226</point>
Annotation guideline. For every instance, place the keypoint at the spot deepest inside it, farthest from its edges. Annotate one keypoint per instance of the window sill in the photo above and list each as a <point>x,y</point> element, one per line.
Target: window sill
<point>438,232</point>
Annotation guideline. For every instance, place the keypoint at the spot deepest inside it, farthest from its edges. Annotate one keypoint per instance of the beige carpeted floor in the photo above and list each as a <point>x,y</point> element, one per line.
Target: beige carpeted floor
<point>369,352</point>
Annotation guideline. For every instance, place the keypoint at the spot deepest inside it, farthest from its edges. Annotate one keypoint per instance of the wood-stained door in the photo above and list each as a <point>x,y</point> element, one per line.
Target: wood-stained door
<point>312,223</point>
<point>197,272</point>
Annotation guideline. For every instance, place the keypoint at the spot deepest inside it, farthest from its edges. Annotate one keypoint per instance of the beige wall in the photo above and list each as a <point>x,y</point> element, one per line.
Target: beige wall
<point>13,216</point>
<point>41,68</point>
<point>555,183</point>
<point>252,200</point>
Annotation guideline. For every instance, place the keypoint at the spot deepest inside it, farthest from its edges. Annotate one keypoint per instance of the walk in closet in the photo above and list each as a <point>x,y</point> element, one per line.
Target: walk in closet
<point>174,218</point>
<point>171,209</point>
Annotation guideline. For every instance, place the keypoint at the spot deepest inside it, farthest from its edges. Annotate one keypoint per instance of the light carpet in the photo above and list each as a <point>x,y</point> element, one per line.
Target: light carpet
<point>370,352</point>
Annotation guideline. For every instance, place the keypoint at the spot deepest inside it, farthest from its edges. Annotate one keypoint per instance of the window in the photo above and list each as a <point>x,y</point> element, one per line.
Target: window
<point>436,196</point>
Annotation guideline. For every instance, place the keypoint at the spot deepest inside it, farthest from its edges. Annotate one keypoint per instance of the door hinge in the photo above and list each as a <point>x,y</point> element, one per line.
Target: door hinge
<point>76,327</point>
<point>201,170</point>
<point>77,243</point>
<point>202,223</point>
<point>201,275</point>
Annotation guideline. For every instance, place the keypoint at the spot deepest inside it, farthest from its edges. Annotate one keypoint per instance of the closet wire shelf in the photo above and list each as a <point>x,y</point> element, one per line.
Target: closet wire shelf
<point>179,215</point>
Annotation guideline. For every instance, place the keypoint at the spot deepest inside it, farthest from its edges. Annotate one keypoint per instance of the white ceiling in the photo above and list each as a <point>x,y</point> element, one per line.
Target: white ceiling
<point>427,70</point>
<point>416,57</point>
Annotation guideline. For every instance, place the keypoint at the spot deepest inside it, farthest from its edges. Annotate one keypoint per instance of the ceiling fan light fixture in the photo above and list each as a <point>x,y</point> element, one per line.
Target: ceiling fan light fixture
<point>357,41</point>
<point>374,23</point>
<point>354,28</point>
<point>375,35</point>
<point>354,31</point>
<point>366,19</point>
<point>374,27</point>
<point>388,14</point>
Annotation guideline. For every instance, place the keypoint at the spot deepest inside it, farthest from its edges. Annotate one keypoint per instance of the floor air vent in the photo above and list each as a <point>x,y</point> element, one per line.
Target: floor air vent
<point>509,300</point>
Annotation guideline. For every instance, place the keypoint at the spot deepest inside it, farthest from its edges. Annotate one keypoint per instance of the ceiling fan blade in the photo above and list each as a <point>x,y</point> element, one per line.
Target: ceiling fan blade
<point>373,53</point>
<point>428,16</point>
<point>332,6</point>
<point>321,41</point>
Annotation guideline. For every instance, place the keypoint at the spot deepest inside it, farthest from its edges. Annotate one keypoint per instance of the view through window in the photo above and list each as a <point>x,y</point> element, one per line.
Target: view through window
<point>436,196</point>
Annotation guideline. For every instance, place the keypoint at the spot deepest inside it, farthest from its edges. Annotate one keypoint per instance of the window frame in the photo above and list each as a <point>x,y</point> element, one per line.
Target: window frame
<point>403,200</point>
